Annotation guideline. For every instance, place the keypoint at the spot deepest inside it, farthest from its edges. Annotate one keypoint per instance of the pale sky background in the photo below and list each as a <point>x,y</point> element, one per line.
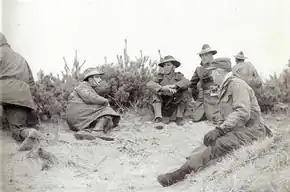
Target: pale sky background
<point>45,30</point>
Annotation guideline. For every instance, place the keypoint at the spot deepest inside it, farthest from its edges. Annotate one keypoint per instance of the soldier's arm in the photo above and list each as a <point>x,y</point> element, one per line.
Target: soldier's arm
<point>89,96</point>
<point>154,85</point>
<point>193,83</point>
<point>241,108</point>
<point>183,83</point>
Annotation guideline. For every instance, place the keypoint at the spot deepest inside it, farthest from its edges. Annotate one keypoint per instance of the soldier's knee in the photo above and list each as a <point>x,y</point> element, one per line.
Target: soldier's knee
<point>218,148</point>
<point>156,98</point>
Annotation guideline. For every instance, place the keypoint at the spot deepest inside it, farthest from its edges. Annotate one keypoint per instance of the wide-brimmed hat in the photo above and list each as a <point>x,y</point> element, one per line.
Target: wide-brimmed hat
<point>90,72</point>
<point>171,59</point>
<point>240,56</point>
<point>207,49</point>
<point>221,63</point>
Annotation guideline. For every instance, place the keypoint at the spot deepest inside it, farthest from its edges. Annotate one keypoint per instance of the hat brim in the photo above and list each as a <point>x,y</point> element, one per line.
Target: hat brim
<point>85,78</point>
<point>174,62</point>
<point>242,58</point>
<point>209,51</point>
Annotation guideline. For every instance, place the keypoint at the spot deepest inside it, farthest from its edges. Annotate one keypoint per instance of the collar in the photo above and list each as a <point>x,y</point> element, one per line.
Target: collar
<point>225,82</point>
<point>170,75</point>
<point>226,78</point>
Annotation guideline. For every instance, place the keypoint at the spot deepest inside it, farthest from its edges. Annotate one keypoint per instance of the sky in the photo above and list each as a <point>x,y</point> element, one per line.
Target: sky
<point>44,31</point>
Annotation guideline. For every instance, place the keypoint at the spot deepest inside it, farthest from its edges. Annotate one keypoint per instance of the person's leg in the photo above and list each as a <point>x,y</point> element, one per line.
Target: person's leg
<point>157,109</point>
<point>17,118</point>
<point>102,126</point>
<point>180,112</point>
<point>200,158</point>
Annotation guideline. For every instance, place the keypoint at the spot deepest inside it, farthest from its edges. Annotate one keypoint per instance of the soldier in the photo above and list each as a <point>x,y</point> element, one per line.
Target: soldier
<point>170,93</point>
<point>203,87</point>
<point>240,123</point>
<point>16,101</point>
<point>246,71</point>
<point>88,113</point>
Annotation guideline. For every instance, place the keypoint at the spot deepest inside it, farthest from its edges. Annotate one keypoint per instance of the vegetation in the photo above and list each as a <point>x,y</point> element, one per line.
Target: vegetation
<point>125,85</point>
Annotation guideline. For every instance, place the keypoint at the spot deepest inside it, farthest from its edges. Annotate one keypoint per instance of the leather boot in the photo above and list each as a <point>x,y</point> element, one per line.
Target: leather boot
<point>158,124</point>
<point>84,135</point>
<point>171,178</point>
<point>101,122</point>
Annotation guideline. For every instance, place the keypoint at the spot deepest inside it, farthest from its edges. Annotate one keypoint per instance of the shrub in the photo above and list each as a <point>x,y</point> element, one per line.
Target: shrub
<point>275,90</point>
<point>124,84</point>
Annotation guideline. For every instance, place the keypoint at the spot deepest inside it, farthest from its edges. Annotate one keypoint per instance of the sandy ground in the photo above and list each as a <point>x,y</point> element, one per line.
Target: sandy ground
<point>130,163</point>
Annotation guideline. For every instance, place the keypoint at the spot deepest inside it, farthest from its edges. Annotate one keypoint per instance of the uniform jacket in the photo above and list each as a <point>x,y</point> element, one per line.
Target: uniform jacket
<point>238,105</point>
<point>247,72</point>
<point>85,106</point>
<point>176,78</point>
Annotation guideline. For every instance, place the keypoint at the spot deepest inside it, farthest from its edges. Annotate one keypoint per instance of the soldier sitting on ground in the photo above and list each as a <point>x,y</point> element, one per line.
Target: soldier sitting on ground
<point>240,123</point>
<point>170,93</point>
<point>16,101</point>
<point>88,113</point>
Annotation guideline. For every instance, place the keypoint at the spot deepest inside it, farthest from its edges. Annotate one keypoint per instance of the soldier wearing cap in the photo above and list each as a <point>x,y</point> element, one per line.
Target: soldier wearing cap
<point>88,113</point>
<point>240,123</point>
<point>246,71</point>
<point>170,91</point>
<point>203,87</point>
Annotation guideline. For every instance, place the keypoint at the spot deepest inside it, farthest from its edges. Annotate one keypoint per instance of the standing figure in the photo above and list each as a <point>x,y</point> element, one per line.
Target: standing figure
<point>246,71</point>
<point>170,91</point>
<point>203,87</point>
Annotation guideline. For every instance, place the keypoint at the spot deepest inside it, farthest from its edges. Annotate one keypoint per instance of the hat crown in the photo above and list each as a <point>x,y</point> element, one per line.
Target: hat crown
<point>168,57</point>
<point>222,63</point>
<point>91,71</point>
<point>241,53</point>
<point>205,46</point>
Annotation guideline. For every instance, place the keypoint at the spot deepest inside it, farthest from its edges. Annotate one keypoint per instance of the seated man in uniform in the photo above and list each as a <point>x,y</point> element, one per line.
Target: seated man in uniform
<point>170,92</point>
<point>88,113</point>
<point>240,123</point>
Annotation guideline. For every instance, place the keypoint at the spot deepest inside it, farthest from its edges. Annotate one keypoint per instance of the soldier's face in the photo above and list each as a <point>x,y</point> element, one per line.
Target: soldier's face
<point>206,58</point>
<point>168,68</point>
<point>94,80</point>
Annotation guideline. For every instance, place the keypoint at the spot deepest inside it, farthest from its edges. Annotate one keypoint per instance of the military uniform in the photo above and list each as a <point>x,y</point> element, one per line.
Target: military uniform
<point>247,72</point>
<point>204,90</point>
<point>240,123</point>
<point>16,87</point>
<point>167,103</point>
<point>87,110</point>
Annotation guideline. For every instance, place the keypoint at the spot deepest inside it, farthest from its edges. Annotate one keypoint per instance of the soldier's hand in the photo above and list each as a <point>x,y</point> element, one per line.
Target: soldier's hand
<point>210,138</point>
<point>172,90</point>
<point>169,88</point>
<point>172,86</point>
